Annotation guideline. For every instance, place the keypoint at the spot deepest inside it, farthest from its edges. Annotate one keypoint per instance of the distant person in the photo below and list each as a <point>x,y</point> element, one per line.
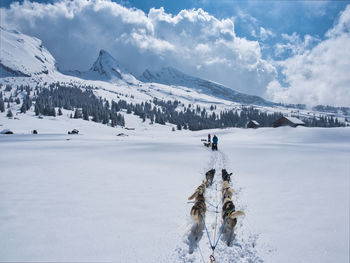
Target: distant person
<point>215,143</point>
<point>209,138</point>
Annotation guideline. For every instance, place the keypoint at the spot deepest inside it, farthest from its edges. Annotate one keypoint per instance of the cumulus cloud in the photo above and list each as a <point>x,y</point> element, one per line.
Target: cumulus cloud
<point>192,40</point>
<point>263,35</point>
<point>320,75</point>
<point>294,44</point>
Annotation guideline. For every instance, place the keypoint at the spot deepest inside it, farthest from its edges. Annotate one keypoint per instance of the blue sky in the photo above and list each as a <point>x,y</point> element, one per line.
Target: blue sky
<point>272,49</point>
<point>280,17</point>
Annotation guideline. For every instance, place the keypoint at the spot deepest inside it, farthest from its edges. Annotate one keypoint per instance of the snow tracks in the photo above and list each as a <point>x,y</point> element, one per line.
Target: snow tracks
<point>242,247</point>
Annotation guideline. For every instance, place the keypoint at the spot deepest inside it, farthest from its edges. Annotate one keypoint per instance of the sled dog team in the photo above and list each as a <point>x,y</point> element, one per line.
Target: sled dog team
<point>229,213</point>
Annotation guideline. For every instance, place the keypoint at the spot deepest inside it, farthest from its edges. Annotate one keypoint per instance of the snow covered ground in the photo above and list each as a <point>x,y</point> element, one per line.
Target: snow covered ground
<point>294,184</point>
<point>97,196</point>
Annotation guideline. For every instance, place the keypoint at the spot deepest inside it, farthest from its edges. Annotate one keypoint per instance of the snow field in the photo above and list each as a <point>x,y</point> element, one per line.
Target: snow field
<point>93,200</point>
<point>295,186</point>
<point>101,197</point>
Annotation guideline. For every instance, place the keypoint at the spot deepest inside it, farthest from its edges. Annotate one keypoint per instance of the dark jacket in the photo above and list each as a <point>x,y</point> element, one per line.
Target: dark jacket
<point>215,139</point>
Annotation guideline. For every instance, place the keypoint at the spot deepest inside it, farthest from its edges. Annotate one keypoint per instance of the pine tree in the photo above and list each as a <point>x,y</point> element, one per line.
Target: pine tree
<point>23,108</point>
<point>37,108</point>
<point>85,114</point>
<point>53,112</point>
<point>2,105</point>
<point>27,103</point>
<point>77,114</point>
<point>9,114</point>
<point>95,117</point>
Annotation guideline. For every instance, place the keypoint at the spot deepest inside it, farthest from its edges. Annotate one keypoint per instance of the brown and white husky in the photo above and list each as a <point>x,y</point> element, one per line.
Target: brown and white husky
<point>229,215</point>
<point>200,190</point>
<point>198,212</point>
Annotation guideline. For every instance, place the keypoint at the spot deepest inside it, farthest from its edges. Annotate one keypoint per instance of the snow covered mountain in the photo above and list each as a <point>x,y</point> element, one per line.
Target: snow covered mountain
<point>172,76</point>
<point>22,55</point>
<point>25,56</point>
<point>106,68</point>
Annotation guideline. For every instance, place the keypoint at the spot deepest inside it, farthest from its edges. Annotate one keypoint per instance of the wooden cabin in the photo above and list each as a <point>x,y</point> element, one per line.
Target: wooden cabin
<point>6,131</point>
<point>253,124</point>
<point>288,121</point>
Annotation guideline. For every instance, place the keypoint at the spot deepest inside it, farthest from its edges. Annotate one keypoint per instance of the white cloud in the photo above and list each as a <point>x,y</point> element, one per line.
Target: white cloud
<point>294,44</point>
<point>147,42</point>
<point>192,40</point>
<point>320,75</point>
<point>265,33</point>
<point>343,25</point>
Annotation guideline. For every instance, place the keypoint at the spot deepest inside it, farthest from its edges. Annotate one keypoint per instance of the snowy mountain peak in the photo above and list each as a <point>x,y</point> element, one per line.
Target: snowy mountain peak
<point>172,76</point>
<point>22,55</point>
<point>109,68</point>
<point>105,63</point>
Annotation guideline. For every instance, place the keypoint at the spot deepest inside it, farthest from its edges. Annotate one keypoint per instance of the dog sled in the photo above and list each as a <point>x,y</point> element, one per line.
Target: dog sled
<point>207,144</point>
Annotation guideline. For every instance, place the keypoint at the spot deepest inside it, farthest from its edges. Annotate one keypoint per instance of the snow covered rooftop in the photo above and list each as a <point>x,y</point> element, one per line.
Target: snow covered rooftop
<point>294,120</point>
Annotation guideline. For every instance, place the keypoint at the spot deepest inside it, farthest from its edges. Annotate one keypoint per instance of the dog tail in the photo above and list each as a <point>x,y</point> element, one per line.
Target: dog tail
<point>196,214</point>
<point>237,214</point>
<point>192,196</point>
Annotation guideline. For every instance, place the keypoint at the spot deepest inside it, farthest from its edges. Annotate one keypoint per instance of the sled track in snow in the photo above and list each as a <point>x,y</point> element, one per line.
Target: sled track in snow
<point>241,248</point>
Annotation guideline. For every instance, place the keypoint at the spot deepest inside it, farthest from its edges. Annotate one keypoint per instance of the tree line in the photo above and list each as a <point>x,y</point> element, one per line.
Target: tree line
<point>86,105</point>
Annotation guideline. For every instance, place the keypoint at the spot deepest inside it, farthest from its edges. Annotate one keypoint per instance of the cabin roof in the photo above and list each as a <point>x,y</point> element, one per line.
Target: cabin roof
<point>294,120</point>
<point>255,122</point>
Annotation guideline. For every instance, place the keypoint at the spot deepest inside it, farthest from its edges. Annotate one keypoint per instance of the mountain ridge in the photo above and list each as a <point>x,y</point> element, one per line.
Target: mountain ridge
<point>23,56</point>
<point>173,76</point>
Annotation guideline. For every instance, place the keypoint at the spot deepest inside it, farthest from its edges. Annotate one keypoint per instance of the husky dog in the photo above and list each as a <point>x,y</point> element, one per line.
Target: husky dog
<point>207,144</point>
<point>229,215</point>
<point>210,176</point>
<point>199,191</point>
<point>225,175</point>
<point>226,190</point>
<point>198,212</point>
<point>225,186</point>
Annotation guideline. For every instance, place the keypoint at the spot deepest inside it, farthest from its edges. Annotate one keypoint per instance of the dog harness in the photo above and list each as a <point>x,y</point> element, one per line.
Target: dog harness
<point>197,205</point>
<point>228,209</point>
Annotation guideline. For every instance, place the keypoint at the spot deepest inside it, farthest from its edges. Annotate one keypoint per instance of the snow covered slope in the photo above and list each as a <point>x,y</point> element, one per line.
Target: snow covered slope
<point>22,55</point>
<point>106,68</point>
<point>172,76</point>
